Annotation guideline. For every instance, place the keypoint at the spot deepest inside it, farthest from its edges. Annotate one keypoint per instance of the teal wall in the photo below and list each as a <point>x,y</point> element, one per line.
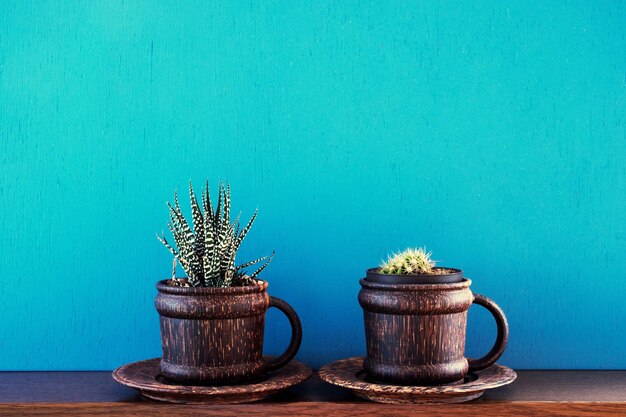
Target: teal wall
<point>494,133</point>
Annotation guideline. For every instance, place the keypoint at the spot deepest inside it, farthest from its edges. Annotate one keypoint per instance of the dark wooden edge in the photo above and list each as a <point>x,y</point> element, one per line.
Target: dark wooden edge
<point>578,387</point>
<point>317,409</point>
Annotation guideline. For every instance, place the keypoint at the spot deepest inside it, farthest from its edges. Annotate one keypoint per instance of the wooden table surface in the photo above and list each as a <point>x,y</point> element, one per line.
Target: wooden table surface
<point>533,393</point>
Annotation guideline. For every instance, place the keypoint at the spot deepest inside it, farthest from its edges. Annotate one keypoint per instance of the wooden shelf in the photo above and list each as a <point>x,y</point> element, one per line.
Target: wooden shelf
<point>95,393</point>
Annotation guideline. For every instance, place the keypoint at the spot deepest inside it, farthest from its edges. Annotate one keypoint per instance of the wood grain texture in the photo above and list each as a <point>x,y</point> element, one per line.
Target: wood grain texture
<point>145,377</point>
<point>214,336</point>
<point>415,333</point>
<point>525,409</point>
<point>534,393</point>
<point>349,373</point>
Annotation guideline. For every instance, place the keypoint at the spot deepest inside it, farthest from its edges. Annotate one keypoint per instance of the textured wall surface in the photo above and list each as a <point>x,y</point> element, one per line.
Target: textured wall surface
<point>494,134</point>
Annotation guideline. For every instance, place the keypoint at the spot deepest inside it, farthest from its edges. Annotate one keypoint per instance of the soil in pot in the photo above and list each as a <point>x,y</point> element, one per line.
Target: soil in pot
<point>440,275</point>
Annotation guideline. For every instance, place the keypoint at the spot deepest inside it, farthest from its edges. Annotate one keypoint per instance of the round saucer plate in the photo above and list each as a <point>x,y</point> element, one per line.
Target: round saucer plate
<point>349,373</point>
<point>144,376</point>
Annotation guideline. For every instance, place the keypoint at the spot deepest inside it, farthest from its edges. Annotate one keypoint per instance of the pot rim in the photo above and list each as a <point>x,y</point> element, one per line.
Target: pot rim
<point>452,275</point>
<point>465,283</point>
<point>454,271</point>
<point>162,287</point>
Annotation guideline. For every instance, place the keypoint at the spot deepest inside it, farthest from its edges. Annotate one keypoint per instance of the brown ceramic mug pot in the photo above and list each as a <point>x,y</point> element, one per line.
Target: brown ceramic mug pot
<point>214,336</point>
<point>415,328</point>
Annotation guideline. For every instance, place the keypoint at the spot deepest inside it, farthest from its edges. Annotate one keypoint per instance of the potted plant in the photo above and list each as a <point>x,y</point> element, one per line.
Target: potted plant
<point>212,320</point>
<point>415,317</point>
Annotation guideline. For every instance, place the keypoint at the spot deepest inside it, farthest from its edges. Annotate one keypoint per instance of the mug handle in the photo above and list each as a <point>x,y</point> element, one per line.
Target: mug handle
<point>501,340</point>
<point>296,335</point>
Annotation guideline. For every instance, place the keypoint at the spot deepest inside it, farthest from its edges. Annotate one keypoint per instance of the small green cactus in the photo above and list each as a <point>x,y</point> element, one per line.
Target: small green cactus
<point>409,261</point>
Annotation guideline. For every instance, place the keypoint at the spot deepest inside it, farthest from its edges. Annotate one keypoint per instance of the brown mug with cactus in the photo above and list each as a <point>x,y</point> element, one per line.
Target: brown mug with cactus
<point>415,316</point>
<point>212,321</point>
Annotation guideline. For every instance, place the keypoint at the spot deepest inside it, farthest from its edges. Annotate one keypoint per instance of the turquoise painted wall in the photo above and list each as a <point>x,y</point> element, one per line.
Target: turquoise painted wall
<point>493,133</point>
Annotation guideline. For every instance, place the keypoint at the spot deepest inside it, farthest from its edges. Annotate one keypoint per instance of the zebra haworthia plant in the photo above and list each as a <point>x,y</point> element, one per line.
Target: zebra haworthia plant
<point>207,253</point>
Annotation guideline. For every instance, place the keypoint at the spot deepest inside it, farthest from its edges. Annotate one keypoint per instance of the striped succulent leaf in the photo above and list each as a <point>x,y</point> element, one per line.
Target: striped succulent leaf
<point>217,219</point>
<point>186,243</point>
<point>178,219</point>
<point>209,249</point>
<point>258,271</point>
<point>174,217</point>
<point>176,204</point>
<point>179,241</point>
<point>185,253</point>
<point>237,227</point>
<point>165,243</point>
<point>174,268</point>
<point>206,248</point>
<point>214,276</point>
<point>198,226</point>
<point>245,230</point>
<point>250,263</point>
<point>227,204</point>
<point>224,227</point>
<point>206,202</point>
<point>227,242</point>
